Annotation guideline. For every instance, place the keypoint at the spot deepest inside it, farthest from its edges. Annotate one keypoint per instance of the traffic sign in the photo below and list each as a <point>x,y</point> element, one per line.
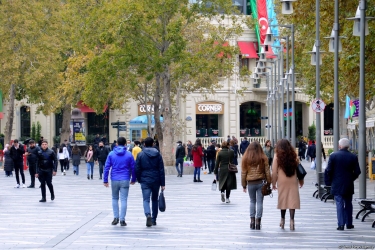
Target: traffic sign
<point>318,105</point>
<point>118,123</point>
<point>122,128</point>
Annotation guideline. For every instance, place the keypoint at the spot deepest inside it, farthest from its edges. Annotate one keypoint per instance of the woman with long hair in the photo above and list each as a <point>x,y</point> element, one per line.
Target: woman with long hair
<point>76,159</point>
<point>8,161</point>
<point>268,150</point>
<point>90,158</point>
<point>197,154</point>
<point>63,156</point>
<point>227,180</point>
<point>234,147</point>
<point>284,179</point>
<point>255,170</point>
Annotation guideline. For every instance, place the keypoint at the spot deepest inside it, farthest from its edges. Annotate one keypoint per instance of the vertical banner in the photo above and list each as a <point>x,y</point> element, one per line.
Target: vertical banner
<point>77,130</point>
<point>273,21</point>
<point>262,19</point>
<point>286,114</point>
<point>1,105</point>
<point>254,13</point>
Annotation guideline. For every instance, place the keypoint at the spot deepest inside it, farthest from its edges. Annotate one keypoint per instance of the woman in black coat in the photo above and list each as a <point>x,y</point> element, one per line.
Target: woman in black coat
<point>234,148</point>
<point>227,180</point>
<point>8,162</point>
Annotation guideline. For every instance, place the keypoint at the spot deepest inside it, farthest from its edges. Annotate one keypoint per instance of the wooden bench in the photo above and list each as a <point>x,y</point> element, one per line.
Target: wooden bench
<point>368,207</point>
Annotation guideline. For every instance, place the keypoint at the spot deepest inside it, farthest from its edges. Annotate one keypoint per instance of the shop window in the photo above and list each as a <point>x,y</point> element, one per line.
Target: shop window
<point>328,119</point>
<point>136,135</point>
<point>207,125</point>
<point>25,121</point>
<point>250,122</point>
<point>98,124</point>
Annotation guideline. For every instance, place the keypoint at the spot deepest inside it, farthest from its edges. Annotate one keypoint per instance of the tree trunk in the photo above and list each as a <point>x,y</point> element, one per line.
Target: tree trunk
<point>9,124</point>
<point>167,147</point>
<point>65,130</point>
<point>158,128</point>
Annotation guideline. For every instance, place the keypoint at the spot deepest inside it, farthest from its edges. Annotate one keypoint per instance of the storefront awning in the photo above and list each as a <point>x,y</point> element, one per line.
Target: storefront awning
<point>86,109</point>
<point>140,122</point>
<point>247,49</point>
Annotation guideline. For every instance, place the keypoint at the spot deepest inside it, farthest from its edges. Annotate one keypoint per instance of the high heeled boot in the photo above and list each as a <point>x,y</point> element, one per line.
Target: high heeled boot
<point>282,223</point>
<point>257,223</point>
<point>291,224</point>
<point>252,222</point>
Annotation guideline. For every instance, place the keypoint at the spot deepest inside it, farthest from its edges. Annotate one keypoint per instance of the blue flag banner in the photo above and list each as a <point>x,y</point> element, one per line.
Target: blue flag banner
<point>347,107</point>
<point>286,114</point>
<point>273,21</point>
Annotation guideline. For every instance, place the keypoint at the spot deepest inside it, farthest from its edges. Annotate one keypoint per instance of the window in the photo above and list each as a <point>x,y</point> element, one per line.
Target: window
<point>250,122</point>
<point>136,135</point>
<point>25,121</point>
<point>244,62</point>
<point>98,124</point>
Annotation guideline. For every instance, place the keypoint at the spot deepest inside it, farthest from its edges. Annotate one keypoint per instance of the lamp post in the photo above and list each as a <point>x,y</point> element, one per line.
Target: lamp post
<point>361,29</point>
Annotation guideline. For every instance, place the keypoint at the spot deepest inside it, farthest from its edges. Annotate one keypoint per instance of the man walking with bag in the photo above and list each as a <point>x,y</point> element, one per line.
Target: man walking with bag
<point>32,159</point>
<point>46,168</point>
<point>180,154</point>
<point>341,172</point>
<point>102,154</point>
<point>151,176</point>
<point>122,166</point>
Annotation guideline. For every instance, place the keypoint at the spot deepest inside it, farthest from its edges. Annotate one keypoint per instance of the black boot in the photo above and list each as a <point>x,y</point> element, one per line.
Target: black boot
<point>195,180</point>
<point>252,222</point>
<point>199,180</point>
<point>43,199</point>
<point>88,177</point>
<point>257,223</point>
<point>91,177</point>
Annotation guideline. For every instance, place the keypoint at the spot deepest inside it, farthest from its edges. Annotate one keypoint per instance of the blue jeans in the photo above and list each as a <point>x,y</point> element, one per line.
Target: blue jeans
<point>120,189</point>
<point>256,196</point>
<point>344,209</point>
<point>181,162</point>
<point>197,170</point>
<point>211,164</point>
<point>76,168</point>
<point>90,168</point>
<point>101,164</point>
<point>150,190</point>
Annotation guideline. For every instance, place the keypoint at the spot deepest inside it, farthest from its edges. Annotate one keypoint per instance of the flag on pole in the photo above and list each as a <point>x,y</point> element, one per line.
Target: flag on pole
<point>1,105</point>
<point>347,107</point>
<point>273,21</point>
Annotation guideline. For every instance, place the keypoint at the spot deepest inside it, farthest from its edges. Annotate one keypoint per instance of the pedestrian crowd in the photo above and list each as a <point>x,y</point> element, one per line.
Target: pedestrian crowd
<point>126,164</point>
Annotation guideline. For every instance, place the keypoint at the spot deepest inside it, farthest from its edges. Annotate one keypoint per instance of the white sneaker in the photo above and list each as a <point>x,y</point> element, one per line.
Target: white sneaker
<point>17,186</point>
<point>23,185</point>
<point>64,172</point>
<point>227,200</point>
<point>222,197</point>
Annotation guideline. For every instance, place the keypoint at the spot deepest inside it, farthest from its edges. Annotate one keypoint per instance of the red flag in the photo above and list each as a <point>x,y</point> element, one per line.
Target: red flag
<point>262,19</point>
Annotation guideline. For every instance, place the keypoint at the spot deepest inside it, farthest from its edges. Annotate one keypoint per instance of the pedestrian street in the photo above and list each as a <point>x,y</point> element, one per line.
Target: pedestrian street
<point>80,218</point>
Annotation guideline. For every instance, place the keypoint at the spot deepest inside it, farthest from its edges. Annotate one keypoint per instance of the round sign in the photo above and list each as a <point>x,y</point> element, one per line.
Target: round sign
<point>318,105</point>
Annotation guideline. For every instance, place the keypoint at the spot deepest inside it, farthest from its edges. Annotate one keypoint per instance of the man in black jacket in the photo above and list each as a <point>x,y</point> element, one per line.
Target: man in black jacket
<point>180,154</point>
<point>341,172</point>
<point>16,153</point>
<point>32,159</point>
<point>211,156</point>
<point>150,174</point>
<point>102,154</point>
<point>243,146</point>
<point>46,168</point>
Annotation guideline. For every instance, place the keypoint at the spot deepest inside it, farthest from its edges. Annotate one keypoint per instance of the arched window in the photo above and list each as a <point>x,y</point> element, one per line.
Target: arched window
<point>25,121</point>
<point>250,122</point>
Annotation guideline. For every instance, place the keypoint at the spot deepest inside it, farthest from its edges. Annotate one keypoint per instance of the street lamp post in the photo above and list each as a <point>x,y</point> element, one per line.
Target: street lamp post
<point>361,29</point>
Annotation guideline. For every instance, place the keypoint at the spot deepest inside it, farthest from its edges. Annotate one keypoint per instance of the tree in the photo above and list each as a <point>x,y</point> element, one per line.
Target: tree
<point>171,43</point>
<point>304,20</point>
<point>311,132</point>
<point>33,131</point>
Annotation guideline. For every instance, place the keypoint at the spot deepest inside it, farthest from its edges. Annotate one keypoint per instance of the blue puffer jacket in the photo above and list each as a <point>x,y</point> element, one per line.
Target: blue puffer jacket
<point>122,165</point>
<point>150,167</point>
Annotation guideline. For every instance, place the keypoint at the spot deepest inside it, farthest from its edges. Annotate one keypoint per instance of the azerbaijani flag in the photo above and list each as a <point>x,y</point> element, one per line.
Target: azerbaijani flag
<point>263,11</point>
<point>350,108</point>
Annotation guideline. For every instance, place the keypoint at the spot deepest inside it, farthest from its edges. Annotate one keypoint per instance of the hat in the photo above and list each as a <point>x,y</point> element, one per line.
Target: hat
<point>179,141</point>
<point>213,141</point>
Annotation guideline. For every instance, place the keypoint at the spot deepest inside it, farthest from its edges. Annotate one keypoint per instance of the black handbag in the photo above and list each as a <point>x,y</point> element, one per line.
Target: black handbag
<point>301,172</point>
<point>162,205</point>
<point>266,189</point>
<point>231,167</point>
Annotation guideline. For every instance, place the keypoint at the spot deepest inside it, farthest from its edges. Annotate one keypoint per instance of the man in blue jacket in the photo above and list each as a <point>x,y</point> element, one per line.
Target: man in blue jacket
<point>341,171</point>
<point>122,166</point>
<point>151,176</point>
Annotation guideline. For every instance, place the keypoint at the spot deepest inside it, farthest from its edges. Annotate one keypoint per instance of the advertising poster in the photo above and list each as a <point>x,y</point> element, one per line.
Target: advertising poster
<point>77,132</point>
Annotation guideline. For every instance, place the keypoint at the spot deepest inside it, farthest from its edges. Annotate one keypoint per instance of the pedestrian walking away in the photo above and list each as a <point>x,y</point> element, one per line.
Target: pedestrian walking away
<point>150,174</point>
<point>16,153</point>
<point>136,149</point>
<point>197,154</point>
<point>341,172</point>
<point>227,180</point>
<point>32,159</point>
<point>211,156</point>
<point>102,154</point>
<point>284,180</point>
<point>180,154</point>
<point>189,148</point>
<point>301,149</point>
<point>63,157</point>
<point>121,164</point>
<point>243,146</point>
<point>90,158</point>
<point>255,171</point>
<point>269,152</point>
<point>234,147</point>
<point>69,148</point>
<point>46,168</point>
<point>311,151</point>
<point>8,161</point>
<point>76,159</point>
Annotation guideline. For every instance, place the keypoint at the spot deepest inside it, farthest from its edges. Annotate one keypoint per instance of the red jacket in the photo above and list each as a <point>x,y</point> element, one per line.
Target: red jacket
<point>197,157</point>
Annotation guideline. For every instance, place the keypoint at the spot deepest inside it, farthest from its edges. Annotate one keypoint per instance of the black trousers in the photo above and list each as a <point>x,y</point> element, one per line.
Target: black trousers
<point>63,165</point>
<point>32,171</point>
<point>18,168</point>
<point>45,177</point>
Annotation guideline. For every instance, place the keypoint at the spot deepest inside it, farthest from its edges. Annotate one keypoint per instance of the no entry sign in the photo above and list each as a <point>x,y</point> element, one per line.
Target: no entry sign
<point>318,105</point>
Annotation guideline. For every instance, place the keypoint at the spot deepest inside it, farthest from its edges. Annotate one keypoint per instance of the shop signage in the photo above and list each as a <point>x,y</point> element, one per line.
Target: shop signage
<point>209,108</point>
<point>143,109</point>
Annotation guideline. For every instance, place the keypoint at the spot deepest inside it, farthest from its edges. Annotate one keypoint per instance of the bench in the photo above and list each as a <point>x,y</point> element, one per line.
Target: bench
<point>327,194</point>
<point>316,193</point>
<point>368,207</point>
<point>373,224</point>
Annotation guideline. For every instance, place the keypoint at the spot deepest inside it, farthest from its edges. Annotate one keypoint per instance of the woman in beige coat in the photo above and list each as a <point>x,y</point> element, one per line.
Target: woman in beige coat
<point>284,179</point>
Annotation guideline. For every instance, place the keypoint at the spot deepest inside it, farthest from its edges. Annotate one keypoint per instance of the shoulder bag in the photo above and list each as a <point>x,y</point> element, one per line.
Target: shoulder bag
<point>266,188</point>
<point>231,167</point>
<point>301,172</point>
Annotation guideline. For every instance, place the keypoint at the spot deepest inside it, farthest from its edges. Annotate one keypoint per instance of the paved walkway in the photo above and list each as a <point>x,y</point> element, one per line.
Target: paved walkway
<point>195,218</point>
